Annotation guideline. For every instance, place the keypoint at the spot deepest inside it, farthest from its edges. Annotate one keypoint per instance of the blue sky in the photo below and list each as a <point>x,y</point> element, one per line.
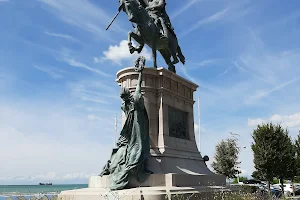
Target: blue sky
<point>58,95</point>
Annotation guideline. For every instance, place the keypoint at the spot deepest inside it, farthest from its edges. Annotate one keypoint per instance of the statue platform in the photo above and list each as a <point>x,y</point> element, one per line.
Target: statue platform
<point>163,180</point>
<point>176,163</point>
<point>143,193</point>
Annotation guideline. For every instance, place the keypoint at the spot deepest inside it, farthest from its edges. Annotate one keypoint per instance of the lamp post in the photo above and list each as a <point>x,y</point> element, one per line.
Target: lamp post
<point>240,147</point>
<point>238,176</point>
<point>199,123</point>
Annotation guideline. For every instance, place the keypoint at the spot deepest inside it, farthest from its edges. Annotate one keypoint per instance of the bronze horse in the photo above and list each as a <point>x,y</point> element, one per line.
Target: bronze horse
<point>147,32</point>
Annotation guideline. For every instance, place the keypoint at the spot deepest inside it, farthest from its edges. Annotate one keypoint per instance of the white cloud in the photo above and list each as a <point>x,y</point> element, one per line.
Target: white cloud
<point>3,1</point>
<point>71,58</point>
<point>51,71</point>
<point>97,60</point>
<point>83,14</point>
<point>74,63</point>
<point>49,142</point>
<point>201,84</point>
<point>207,62</point>
<point>119,53</point>
<point>260,76</point>
<point>262,94</point>
<point>63,36</point>
<point>244,173</point>
<point>275,70</point>
<point>94,91</point>
<point>202,63</point>
<point>226,71</point>
<point>255,122</point>
<point>211,19</point>
<point>290,121</point>
<point>50,176</point>
<point>184,8</point>
<point>77,175</point>
<point>93,117</point>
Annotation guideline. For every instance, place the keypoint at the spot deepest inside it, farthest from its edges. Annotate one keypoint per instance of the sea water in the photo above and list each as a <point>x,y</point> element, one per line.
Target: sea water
<point>35,190</point>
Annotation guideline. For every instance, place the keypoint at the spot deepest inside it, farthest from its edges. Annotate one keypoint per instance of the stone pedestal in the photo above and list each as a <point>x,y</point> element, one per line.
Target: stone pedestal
<point>169,100</point>
<point>176,163</point>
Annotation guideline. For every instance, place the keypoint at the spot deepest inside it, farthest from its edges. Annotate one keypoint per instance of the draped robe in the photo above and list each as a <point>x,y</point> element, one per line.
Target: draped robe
<point>129,159</point>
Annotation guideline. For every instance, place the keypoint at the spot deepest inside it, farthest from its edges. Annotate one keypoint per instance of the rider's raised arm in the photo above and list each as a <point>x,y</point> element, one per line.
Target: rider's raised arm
<point>121,5</point>
<point>138,89</point>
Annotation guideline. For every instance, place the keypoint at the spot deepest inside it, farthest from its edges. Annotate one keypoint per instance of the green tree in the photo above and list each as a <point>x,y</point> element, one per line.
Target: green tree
<point>258,175</point>
<point>275,181</point>
<point>226,158</point>
<point>286,164</point>
<point>267,150</point>
<point>297,151</point>
<point>292,159</point>
<point>297,179</point>
<point>241,179</point>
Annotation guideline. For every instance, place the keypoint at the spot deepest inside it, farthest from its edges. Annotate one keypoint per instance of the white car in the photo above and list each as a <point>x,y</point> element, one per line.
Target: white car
<point>288,188</point>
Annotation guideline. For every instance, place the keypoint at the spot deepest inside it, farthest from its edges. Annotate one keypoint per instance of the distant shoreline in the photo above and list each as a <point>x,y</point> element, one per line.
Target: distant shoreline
<point>33,190</point>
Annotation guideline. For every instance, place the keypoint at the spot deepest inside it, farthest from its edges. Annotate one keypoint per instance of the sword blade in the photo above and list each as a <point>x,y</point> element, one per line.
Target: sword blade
<point>113,20</point>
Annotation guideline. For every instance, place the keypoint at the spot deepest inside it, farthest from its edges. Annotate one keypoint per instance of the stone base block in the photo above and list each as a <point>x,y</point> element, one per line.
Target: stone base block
<point>143,193</point>
<point>178,165</point>
<point>161,180</point>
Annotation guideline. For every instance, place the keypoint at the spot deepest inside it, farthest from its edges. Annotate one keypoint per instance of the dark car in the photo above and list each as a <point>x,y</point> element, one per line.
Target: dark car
<point>251,181</point>
<point>275,192</point>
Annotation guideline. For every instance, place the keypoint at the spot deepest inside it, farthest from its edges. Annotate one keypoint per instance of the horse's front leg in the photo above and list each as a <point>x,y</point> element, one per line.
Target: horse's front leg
<point>139,40</point>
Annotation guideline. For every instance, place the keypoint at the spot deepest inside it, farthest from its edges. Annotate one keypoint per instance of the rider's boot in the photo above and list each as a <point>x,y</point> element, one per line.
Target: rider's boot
<point>164,35</point>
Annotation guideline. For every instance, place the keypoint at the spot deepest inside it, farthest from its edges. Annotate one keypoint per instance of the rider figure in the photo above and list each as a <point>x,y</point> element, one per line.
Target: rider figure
<point>157,9</point>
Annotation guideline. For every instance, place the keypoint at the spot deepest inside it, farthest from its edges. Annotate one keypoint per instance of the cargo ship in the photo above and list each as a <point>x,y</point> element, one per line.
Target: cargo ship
<point>45,183</point>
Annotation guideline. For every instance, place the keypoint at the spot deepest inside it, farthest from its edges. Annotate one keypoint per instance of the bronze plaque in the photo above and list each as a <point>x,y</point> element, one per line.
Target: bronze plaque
<point>178,123</point>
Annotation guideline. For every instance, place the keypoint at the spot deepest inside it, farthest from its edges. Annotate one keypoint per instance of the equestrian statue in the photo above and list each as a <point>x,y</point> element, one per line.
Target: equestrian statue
<point>154,28</point>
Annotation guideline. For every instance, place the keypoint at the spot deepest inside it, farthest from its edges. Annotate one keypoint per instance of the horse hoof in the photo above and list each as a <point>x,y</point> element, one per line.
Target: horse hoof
<point>175,62</point>
<point>132,50</point>
<point>182,60</point>
<point>172,69</point>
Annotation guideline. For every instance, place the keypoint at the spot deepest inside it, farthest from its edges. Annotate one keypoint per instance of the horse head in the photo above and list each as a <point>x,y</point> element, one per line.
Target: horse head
<point>135,11</point>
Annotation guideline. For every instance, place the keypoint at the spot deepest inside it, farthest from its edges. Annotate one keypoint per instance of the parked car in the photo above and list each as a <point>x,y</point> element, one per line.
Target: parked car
<point>288,188</point>
<point>275,191</point>
<point>252,181</point>
<point>297,188</point>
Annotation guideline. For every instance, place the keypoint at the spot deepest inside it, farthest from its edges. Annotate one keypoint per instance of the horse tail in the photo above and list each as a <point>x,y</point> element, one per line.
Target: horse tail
<point>180,55</point>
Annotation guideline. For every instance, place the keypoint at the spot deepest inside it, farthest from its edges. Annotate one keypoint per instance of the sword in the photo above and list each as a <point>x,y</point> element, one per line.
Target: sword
<point>113,20</point>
